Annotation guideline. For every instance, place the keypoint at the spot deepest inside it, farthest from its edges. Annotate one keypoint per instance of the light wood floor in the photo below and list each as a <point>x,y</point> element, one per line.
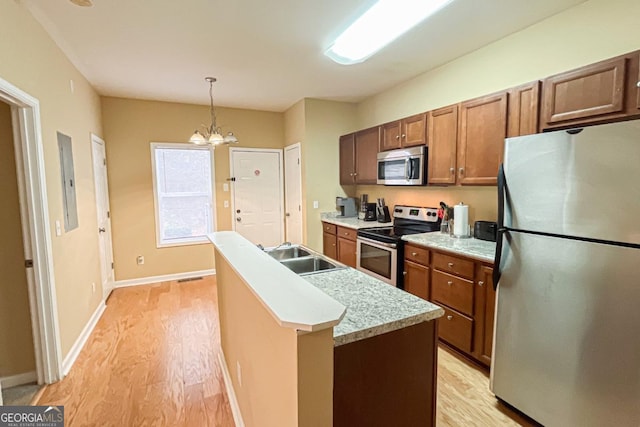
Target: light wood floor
<point>152,361</point>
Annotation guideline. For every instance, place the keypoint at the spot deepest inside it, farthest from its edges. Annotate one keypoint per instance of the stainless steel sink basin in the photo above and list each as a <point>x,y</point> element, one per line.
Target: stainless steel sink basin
<point>288,253</point>
<point>308,265</point>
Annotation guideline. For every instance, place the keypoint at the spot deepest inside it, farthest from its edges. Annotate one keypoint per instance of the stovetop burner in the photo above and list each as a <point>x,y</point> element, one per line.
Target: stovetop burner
<point>406,220</point>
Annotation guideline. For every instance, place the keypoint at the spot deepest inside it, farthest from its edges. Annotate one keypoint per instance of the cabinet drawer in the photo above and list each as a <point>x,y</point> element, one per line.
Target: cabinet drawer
<point>456,329</point>
<point>346,233</point>
<point>416,254</point>
<point>453,291</point>
<point>451,264</point>
<point>328,228</point>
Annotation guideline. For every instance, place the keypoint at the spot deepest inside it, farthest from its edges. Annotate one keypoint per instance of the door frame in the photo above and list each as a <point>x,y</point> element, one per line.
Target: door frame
<point>280,152</point>
<point>297,145</point>
<point>34,209</point>
<point>96,140</point>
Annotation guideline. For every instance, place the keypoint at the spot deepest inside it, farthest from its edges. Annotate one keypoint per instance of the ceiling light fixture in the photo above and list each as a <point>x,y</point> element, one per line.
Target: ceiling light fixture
<point>384,22</point>
<point>212,134</point>
<point>83,3</point>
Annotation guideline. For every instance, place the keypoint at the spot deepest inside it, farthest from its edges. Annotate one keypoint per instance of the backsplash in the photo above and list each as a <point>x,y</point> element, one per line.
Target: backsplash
<point>482,201</point>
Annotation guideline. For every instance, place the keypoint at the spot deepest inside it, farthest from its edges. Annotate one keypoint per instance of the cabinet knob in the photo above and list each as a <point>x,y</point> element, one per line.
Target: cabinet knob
<point>346,233</point>
<point>450,265</point>
<point>638,84</point>
<point>404,136</point>
<point>449,317</point>
<point>480,283</point>
<point>449,283</point>
<point>397,136</point>
<point>404,273</point>
<point>452,170</point>
<point>355,174</point>
<point>414,254</point>
<point>351,174</point>
<point>461,170</point>
<point>333,244</point>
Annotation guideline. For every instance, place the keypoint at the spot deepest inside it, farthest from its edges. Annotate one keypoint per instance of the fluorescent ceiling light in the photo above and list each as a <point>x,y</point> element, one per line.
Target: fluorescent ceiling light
<point>377,27</point>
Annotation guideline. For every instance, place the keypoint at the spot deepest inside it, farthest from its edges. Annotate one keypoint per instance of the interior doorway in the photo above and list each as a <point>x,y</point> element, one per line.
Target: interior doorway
<point>293,193</point>
<point>258,197</point>
<point>37,257</point>
<point>104,214</point>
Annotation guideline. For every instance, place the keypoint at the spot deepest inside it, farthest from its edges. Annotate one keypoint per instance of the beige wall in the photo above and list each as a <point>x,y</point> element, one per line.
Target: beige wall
<point>16,339</point>
<point>129,128</point>
<point>587,33</point>
<point>325,121</point>
<point>287,380</point>
<point>35,64</point>
<point>294,132</point>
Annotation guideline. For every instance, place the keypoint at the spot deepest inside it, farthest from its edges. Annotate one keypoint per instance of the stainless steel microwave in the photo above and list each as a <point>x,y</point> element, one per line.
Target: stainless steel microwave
<point>407,166</point>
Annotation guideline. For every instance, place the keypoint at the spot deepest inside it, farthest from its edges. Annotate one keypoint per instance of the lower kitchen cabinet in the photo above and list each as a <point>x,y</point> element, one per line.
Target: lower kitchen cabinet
<point>485,308</point>
<point>329,245</point>
<point>339,243</point>
<point>416,279</point>
<point>463,288</point>
<point>347,251</point>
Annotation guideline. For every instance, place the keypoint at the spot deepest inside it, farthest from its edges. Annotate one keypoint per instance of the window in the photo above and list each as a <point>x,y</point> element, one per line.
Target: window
<point>183,192</point>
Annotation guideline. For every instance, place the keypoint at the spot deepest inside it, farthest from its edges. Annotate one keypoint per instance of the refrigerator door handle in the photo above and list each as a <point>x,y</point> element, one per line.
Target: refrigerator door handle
<point>501,229</point>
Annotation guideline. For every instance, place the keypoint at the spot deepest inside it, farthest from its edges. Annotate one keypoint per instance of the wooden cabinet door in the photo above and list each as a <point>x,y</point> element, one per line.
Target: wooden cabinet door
<point>442,140</point>
<point>483,128</point>
<point>416,279</point>
<point>522,118</point>
<point>347,159</point>
<point>414,130</point>
<point>367,145</point>
<point>485,305</point>
<point>329,247</point>
<point>391,136</point>
<point>584,95</point>
<point>347,251</point>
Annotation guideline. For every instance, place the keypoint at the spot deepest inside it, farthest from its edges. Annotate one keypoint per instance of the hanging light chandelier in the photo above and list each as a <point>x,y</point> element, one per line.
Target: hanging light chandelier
<point>212,134</point>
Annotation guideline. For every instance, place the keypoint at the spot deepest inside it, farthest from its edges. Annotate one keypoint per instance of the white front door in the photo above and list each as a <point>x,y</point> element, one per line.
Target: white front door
<point>258,195</point>
<point>104,220</point>
<point>293,193</point>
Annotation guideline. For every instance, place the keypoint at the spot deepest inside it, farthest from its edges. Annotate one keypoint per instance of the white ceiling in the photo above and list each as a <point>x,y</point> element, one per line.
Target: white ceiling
<point>267,55</point>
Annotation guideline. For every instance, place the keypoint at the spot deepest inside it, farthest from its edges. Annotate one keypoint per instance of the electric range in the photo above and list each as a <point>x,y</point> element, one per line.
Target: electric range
<point>380,251</point>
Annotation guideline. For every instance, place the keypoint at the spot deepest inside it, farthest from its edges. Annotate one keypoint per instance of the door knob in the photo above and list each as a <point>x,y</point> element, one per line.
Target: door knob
<point>238,219</point>
<point>101,230</point>
<point>237,210</point>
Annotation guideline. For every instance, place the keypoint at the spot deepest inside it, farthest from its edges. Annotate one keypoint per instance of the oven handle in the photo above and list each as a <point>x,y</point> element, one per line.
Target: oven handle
<point>377,244</point>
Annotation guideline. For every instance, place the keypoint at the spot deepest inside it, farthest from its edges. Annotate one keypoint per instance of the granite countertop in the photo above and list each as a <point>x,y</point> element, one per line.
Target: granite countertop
<point>355,223</point>
<point>373,307</point>
<point>472,248</point>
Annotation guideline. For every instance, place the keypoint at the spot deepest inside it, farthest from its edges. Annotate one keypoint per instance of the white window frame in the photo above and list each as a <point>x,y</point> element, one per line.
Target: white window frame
<point>201,240</point>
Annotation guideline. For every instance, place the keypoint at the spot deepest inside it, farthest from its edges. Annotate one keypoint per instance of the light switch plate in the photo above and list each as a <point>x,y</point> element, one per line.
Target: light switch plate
<point>315,204</point>
<point>58,228</point>
<point>225,187</point>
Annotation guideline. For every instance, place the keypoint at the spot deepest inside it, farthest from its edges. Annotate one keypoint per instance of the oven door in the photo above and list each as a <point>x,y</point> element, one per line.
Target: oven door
<point>378,259</point>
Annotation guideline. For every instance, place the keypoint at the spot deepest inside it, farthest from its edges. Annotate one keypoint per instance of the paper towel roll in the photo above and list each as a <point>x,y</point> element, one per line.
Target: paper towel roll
<point>461,220</point>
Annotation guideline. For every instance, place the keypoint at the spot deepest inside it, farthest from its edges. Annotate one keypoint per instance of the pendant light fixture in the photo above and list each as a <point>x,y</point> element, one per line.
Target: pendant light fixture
<point>212,134</point>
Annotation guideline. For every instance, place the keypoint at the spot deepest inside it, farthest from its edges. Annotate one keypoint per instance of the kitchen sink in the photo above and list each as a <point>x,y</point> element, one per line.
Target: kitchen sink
<point>309,265</point>
<point>288,253</point>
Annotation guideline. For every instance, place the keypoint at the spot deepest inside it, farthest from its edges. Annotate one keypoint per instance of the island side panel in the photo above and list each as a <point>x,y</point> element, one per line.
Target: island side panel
<point>315,378</point>
<point>265,351</point>
<point>387,380</point>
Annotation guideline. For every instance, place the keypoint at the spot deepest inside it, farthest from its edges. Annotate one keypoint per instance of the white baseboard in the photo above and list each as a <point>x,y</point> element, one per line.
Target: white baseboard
<point>71,357</point>
<point>165,278</point>
<point>231,394</point>
<point>20,379</point>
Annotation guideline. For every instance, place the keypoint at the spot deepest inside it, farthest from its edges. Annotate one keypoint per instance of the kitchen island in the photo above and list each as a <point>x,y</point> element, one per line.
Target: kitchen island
<point>331,348</point>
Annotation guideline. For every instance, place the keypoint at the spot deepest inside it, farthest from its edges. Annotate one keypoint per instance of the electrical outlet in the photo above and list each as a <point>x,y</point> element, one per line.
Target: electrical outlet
<point>239,373</point>
<point>315,204</point>
<point>93,287</point>
<point>226,203</point>
<point>140,259</point>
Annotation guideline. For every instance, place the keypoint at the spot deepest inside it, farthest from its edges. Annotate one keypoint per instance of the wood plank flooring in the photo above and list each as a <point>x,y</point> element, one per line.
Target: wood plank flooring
<point>152,360</point>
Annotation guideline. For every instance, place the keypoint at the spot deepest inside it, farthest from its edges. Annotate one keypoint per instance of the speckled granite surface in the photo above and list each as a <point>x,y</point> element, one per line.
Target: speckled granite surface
<point>354,223</point>
<point>373,307</point>
<point>473,248</point>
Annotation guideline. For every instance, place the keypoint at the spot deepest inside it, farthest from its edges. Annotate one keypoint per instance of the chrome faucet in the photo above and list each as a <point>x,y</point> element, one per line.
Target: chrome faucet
<point>260,247</point>
<point>281,245</point>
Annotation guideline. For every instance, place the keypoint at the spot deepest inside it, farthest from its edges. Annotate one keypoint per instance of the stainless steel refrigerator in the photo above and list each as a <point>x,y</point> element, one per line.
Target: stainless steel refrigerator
<point>566,348</point>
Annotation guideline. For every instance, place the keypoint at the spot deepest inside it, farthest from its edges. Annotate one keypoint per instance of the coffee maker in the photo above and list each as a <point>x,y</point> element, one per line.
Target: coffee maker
<point>347,207</point>
<point>370,212</point>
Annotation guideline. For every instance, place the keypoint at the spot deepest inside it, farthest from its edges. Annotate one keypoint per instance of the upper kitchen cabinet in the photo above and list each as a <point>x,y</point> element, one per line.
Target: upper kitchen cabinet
<point>358,157</point>
<point>599,92</point>
<point>442,141</point>
<point>483,128</point>
<point>524,108</point>
<point>408,132</point>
